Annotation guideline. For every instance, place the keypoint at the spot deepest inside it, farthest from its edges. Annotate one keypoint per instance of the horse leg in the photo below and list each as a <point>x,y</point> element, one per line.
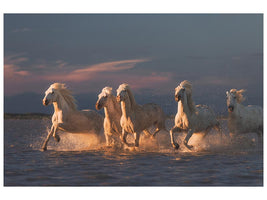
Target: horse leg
<point>188,136</point>
<point>107,136</point>
<point>44,146</point>
<point>147,133</point>
<point>160,126</point>
<point>124,136</point>
<point>172,131</point>
<point>136,139</point>
<point>206,133</point>
<point>56,137</point>
<point>156,131</point>
<point>219,129</point>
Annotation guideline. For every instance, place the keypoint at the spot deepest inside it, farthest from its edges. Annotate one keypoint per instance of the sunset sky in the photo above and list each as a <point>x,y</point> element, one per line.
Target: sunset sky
<point>148,51</point>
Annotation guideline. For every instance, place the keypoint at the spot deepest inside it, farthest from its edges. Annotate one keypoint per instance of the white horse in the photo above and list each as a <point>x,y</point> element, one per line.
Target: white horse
<point>136,118</point>
<point>66,117</point>
<point>191,118</point>
<point>112,110</point>
<point>243,119</point>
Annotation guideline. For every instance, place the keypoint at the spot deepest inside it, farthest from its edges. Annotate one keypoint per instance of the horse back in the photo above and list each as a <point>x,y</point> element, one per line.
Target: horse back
<point>153,111</point>
<point>92,115</point>
<point>252,114</point>
<point>246,119</point>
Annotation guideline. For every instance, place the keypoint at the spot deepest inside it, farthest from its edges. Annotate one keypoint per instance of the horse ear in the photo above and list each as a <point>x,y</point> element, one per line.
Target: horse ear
<point>241,91</point>
<point>227,93</point>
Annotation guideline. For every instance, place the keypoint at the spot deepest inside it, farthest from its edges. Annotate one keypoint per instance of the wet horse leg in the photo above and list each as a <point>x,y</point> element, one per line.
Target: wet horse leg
<point>136,139</point>
<point>147,133</point>
<point>156,131</point>
<point>108,136</point>
<point>219,129</point>
<point>188,136</point>
<point>44,146</point>
<point>172,131</point>
<point>56,137</point>
<point>124,136</point>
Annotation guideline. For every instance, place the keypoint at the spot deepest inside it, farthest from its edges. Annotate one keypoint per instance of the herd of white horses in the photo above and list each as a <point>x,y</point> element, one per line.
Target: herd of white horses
<point>123,115</point>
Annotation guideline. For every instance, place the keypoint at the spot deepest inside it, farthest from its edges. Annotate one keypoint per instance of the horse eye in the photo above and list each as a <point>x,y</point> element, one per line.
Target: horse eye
<point>52,92</point>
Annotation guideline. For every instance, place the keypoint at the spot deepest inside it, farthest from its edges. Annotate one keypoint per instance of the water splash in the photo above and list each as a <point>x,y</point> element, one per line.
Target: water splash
<point>213,142</point>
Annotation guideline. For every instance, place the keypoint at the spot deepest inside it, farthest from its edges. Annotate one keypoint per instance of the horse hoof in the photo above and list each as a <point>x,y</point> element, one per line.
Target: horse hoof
<point>176,146</point>
<point>189,146</point>
<point>44,149</point>
<point>57,138</point>
<point>152,137</point>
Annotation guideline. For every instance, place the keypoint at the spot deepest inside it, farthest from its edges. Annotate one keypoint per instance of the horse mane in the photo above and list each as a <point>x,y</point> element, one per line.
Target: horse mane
<point>188,89</point>
<point>239,95</point>
<point>106,91</point>
<point>65,93</point>
<point>126,87</point>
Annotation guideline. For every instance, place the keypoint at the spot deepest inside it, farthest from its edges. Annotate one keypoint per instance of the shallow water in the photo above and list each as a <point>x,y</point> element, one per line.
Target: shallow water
<point>82,160</point>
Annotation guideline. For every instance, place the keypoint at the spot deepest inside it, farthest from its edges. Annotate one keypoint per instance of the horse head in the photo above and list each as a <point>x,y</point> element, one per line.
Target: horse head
<point>58,92</point>
<point>233,97</point>
<point>122,92</point>
<point>179,93</point>
<point>103,98</point>
<point>50,96</point>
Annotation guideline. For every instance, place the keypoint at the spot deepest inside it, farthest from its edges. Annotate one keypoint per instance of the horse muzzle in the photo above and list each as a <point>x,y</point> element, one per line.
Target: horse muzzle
<point>98,106</point>
<point>45,102</point>
<point>177,98</point>
<point>118,98</point>
<point>230,108</point>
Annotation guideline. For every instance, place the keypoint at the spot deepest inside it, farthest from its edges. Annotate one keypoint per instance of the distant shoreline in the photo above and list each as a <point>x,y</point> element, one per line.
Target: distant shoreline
<point>48,116</point>
<point>26,116</point>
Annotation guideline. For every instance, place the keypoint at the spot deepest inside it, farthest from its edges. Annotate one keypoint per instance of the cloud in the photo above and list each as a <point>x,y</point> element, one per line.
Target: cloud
<point>149,81</point>
<point>91,71</point>
<point>157,81</point>
<point>89,78</point>
<point>11,66</point>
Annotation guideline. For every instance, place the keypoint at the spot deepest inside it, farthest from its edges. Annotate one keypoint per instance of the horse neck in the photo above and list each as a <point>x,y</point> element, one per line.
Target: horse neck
<point>183,107</point>
<point>126,107</point>
<point>237,109</point>
<point>131,99</point>
<point>112,108</point>
<point>61,105</point>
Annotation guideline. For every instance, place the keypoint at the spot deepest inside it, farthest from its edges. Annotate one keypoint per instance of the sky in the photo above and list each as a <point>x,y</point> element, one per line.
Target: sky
<point>151,52</point>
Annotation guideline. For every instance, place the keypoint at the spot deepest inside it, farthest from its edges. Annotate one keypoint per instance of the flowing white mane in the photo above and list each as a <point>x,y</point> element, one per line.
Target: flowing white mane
<point>65,93</point>
<point>106,91</point>
<point>239,94</point>
<point>126,87</point>
<point>188,89</point>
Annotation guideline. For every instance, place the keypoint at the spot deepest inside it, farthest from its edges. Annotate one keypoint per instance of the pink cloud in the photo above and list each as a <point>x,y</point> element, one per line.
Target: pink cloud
<point>89,72</point>
<point>11,66</point>
<point>157,81</point>
<point>87,79</point>
<point>149,81</point>
<point>23,73</point>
